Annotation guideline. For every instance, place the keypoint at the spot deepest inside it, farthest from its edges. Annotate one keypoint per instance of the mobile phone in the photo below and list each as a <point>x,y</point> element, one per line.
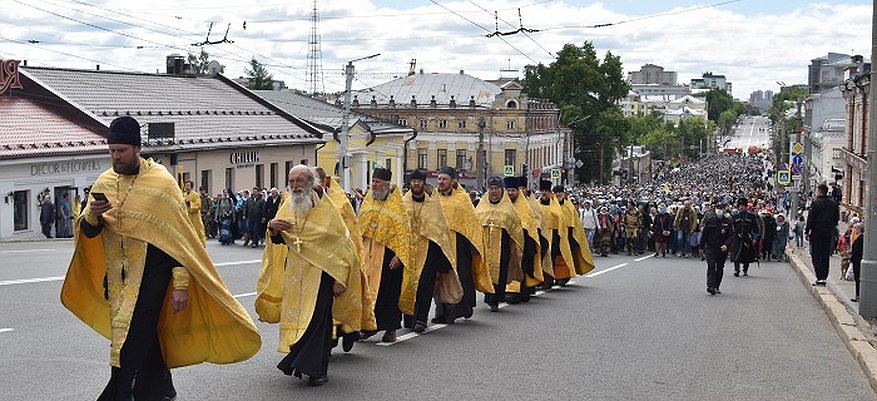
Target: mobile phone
<point>99,196</point>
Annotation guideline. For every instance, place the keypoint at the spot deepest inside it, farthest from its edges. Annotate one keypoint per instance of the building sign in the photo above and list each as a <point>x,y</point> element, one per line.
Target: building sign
<point>58,168</point>
<point>9,78</point>
<point>245,159</point>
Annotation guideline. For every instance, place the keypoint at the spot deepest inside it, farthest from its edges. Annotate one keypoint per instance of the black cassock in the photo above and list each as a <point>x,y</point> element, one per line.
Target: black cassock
<point>310,354</point>
<point>387,313</point>
<point>436,262</point>
<point>449,312</point>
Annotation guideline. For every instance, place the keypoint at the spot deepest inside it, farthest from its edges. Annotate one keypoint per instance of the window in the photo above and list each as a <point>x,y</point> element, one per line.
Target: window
<point>461,159</point>
<point>286,173</point>
<point>421,158</point>
<point>441,158</point>
<point>260,175</point>
<point>20,206</point>
<point>388,164</point>
<point>442,124</point>
<point>424,124</point>
<point>273,174</point>
<point>511,105</point>
<point>510,155</point>
<point>229,179</point>
<point>510,124</point>
<point>461,124</point>
<point>205,180</point>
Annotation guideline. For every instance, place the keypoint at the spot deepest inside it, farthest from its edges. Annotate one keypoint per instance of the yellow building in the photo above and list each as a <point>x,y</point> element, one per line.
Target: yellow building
<point>455,114</point>
<point>372,142</point>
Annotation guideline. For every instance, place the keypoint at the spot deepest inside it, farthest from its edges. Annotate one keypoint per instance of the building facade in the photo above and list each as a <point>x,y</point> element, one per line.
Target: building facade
<point>709,81</point>
<point>855,182</point>
<point>652,74</point>
<point>204,128</point>
<point>455,115</point>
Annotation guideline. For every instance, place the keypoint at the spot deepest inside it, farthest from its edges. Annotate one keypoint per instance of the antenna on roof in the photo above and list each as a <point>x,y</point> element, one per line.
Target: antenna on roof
<point>412,66</point>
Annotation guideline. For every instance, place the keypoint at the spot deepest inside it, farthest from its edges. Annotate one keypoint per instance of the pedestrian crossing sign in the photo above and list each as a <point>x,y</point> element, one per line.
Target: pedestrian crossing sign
<point>555,173</point>
<point>784,177</point>
<point>509,171</point>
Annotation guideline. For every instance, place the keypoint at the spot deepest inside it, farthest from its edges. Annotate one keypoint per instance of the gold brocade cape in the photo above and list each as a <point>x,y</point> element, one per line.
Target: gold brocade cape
<point>556,221</point>
<point>541,223</point>
<point>385,222</point>
<point>194,212</point>
<point>584,260</point>
<point>289,279</point>
<point>494,218</point>
<point>460,215</point>
<point>428,224</point>
<point>531,223</point>
<point>214,327</point>
<point>356,283</point>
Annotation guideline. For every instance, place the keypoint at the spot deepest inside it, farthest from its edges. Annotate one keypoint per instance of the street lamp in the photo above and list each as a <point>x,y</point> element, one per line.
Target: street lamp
<point>343,162</point>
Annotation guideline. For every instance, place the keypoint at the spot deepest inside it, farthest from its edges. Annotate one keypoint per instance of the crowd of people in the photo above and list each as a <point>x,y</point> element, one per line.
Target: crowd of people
<point>338,268</point>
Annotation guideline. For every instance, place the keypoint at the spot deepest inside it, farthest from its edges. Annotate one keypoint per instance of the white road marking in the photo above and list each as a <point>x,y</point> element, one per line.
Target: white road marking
<point>644,258</point>
<point>240,262</point>
<point>27,251</point>
<point>8,329</point>
<point>31,280</point>
<point>59,278</point>
<point>439,326</point>
<point>246,294</point>
<point>595,274</point>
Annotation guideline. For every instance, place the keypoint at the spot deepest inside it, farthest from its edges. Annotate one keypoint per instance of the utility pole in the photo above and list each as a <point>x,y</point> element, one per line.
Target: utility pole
<point>868,281</point>
<point>479,158</point>
<point>796,192</point>
<point>343,162</point>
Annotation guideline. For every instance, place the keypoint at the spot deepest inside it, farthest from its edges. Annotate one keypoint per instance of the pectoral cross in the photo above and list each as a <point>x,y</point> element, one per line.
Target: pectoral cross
<point>490,228</point>
<point>373,225</point>
<point>297,244</point>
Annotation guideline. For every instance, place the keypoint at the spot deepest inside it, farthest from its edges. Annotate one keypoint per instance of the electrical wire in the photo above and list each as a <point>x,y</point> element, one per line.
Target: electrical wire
<point>645,17</point>
<point>550,54</point>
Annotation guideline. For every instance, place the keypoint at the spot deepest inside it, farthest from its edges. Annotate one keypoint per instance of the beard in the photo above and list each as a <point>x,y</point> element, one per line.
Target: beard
<point>300,202</point>
<point>380,195</point>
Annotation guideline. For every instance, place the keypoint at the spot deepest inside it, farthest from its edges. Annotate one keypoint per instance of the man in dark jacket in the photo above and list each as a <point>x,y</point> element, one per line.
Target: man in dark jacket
<point>272,204</point>
<point>717,228</point>
<point>47,215</point>
<point>820,228</point>
<point>742,244</point>
<point>255,212</point>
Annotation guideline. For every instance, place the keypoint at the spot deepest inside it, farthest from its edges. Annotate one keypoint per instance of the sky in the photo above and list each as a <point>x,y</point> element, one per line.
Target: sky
<point>754,43</point>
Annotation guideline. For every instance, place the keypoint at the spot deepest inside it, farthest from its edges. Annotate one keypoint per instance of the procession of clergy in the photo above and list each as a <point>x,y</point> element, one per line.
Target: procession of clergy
<point>141,277</point>
<point>330,274</point>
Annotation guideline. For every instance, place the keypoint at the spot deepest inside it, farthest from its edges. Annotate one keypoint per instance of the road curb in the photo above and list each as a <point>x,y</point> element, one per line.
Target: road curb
<point>841,317</point>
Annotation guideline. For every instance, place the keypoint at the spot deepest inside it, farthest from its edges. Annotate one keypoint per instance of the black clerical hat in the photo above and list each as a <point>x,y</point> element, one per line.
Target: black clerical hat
<point>418,175</point>
<point>124,131</point>
<point>494,181</point>
<point>510,182</point>
<point>522,181</point>
<point>382,174</point>
<point>558,189</point>
<point>544,185</point>
<point>449,171</point>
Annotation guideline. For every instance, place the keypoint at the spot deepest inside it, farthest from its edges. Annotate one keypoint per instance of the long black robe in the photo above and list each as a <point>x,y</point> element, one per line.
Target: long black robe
<point>387,313</point>
<point>436,262</point>
<point>450,312</point>
<point>310,354</point>
<point>143,373</point>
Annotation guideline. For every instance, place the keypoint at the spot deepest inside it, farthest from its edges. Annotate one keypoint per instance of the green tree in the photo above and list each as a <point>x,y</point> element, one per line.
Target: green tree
<point>586,89</point>
<point>258,77</point>
<point>694,135</point>
<point>200,62</point>
<point>726,121</point>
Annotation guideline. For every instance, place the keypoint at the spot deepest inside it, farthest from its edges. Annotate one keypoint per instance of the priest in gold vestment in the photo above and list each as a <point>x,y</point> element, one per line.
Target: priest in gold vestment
<point>468,243</point>
<point>531,258</point>
<point>193,207</point>
<point>304,269</point>
<point>503,240</point>
<point>386,245</point>
<point>358,288</point>
<point>141,277</point>
<point>433,272</point>
<point>582,259</point>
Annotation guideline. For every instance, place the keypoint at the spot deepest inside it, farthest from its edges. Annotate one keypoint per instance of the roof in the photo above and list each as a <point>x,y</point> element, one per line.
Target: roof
<point>206,111</point>
<point>688,99</point>
<point>424,86</point>
<point>320,112</point>
<point>30,128</point>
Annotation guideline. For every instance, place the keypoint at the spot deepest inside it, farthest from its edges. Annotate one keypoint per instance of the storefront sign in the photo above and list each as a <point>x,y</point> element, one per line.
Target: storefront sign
<point>244,159</point>
<point>44,169</point>
<point>9,78</point>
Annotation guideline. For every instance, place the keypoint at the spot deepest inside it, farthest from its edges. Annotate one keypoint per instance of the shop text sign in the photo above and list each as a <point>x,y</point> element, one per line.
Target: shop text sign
<point>59,168</point>
<point>9,78</point>
<point>244,159</point>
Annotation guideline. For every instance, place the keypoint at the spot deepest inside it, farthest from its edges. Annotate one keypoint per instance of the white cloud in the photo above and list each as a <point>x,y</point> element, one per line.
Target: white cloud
<point>753,51</point>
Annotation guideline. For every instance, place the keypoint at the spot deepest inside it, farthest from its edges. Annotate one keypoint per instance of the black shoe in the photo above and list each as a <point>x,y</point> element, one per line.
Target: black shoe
<point>819,283</point>
<point>439,320</point>
<point>745,274</point>
<point>347,341</point>
<point>365,335</point>
<point>854,299</point>
<point>711,290</point>
<point>419,327</point>
<point>314,381</point>
<point>494,308</point>
<point>736,274</point>
<point>718,291</point>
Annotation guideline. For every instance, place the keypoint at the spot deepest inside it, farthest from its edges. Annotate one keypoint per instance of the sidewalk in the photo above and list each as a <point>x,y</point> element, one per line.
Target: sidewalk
<point>857,333</point>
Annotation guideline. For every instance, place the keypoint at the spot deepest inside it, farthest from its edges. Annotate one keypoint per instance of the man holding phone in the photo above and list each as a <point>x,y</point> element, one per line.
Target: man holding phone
<point>132,249</point>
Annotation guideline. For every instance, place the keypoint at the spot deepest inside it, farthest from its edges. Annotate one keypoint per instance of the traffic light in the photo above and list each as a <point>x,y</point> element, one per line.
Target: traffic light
<point>524,170</point>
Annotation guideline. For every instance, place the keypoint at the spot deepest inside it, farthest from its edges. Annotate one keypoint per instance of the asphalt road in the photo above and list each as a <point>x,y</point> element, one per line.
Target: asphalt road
<point>752,131</point>
<point>638,329</point>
